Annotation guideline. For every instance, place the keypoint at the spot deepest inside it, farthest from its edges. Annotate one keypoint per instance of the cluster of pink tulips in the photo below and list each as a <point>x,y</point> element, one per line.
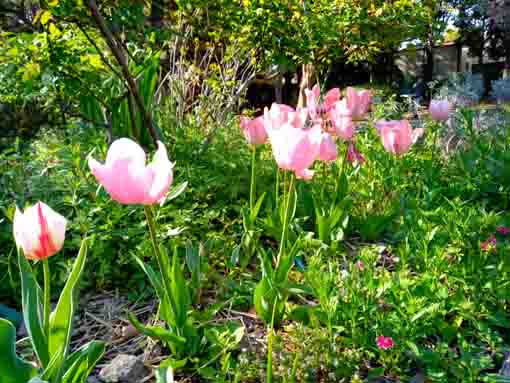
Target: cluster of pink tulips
<point>299,137</point>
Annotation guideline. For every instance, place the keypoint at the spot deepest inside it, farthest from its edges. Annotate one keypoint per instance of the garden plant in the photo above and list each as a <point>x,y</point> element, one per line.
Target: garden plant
<point>334,235</point>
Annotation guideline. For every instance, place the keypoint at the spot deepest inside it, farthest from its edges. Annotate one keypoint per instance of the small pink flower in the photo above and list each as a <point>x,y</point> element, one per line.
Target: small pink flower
<point>341,120</point>
<point>440,109</point>
<point>360,265</point>
<point>503,230</point>
<point>353,155</point>
<point>490,244</point>
<point>253,130</point>
<point>312,101</point>
<point>281,114</point>
<point>358,101</point>
<point>398,136</point>
<point>384,342</point>
<point>328,149</point>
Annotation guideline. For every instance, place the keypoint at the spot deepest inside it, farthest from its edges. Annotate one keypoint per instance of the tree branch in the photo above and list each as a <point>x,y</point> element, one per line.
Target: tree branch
<point>121,60</point>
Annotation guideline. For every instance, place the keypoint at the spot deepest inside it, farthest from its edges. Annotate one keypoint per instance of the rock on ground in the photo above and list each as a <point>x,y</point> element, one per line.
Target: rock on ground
<point>123,369</point>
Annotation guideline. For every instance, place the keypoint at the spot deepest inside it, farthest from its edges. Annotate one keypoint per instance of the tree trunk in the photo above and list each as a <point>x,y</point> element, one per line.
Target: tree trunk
<point>156,16</point>
<point>307,71</point>
<point>428,70</point>
<point>278,88</point>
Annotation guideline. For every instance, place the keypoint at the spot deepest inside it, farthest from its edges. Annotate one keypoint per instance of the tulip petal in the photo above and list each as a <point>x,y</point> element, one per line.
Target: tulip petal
<point>161,167</point>
<point>56,226</point>
<point>127,150</point>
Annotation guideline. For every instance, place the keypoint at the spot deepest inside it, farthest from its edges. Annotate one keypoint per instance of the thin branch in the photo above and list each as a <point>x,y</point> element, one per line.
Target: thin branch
<point>99,51</point>
<point>121,60</point>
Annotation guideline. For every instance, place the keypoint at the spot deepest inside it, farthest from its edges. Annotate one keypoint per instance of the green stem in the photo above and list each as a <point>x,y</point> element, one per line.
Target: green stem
<point>269,366</point>
<point>252,185</point>
<point>343,158</point>
<point>277,186</point>
<point>152,232</point>
<point>285,221</point>
<point>47,300</point>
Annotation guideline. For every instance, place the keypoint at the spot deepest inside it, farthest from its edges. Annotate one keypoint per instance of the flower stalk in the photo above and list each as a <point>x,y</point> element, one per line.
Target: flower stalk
<point>47,296</point>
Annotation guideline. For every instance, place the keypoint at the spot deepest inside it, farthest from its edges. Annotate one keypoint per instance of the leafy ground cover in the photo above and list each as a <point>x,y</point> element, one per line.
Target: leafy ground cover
<point>419,254</point>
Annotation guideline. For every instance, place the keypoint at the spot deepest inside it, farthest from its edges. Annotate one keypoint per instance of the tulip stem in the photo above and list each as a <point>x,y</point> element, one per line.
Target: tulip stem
<point>47,300</point>
<point>252,185</point>
<point>285,221</point>
<point>277,186</point>
<point>152,233</point>
<point>341,170</point>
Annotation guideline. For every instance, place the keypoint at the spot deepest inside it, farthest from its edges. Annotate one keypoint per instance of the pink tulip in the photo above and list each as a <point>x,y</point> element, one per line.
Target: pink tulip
<point>253,130</point>
<point>398,136</point>
<point>353,155</point>
<point>39,231</point>
<point>358,102</point>
<point>126,177</point>
<point>385,342</point>
<point>296,149</point>
<point>440,109</point>
<point>313,105</point>
<point>328,150</point>
<point>331,97</point>
<point>312,100</point>
<point>341,120</point>
<point>281,114</point>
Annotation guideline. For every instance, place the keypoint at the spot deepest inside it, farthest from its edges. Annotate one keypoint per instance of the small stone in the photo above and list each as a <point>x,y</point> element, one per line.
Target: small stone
<point>123,369</point>
<point>129,332</point>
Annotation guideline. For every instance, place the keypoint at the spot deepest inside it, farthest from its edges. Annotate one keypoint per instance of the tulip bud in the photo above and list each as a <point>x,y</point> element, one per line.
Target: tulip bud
<point>440,109</point>
<point>39,231</point>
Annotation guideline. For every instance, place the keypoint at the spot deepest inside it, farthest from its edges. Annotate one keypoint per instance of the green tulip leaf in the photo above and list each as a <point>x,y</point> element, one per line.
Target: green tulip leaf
<point>61,319</point>
<point>81,363</point>
<point>158,333</point>
<point>32,310</point>
<point>12,368</point>
<point>164,305</point>
<point>176,191</point>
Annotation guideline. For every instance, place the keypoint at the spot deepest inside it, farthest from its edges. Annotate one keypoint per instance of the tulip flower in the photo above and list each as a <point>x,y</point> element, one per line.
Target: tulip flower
<point>358,101</point>
<point>328,150</point>
<point>341,120</point>
<point>398,136</point>
<point>39,231</point>
<point>253,130</point>
<point>281,114</point>
<point>440,109</point>
<point>385,342</point>
<point>353,154</point>
<point>296,149</point>
<point>312,101</point>
<point>127,179</point>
